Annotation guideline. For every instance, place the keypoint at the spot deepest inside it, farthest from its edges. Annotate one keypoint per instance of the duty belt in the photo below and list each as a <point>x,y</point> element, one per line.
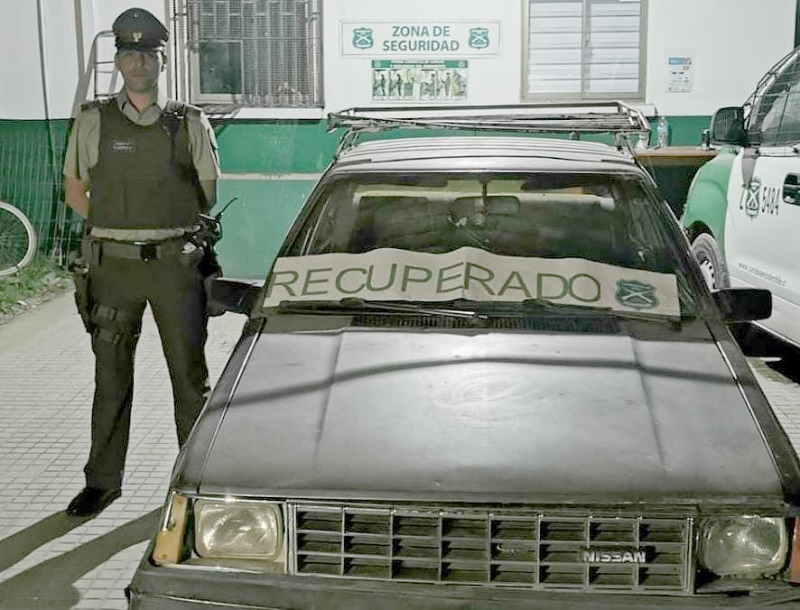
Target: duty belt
<point>140,250</point>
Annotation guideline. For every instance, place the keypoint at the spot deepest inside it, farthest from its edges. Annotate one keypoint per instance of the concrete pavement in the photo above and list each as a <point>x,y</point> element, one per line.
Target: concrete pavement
<point>49,560</point>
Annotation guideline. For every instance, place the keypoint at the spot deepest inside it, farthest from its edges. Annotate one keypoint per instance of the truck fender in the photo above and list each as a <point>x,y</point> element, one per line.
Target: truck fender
<point>707,199</point>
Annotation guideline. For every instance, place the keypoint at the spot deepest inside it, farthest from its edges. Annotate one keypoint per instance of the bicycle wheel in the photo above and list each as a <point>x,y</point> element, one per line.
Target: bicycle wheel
<point>17,239</point>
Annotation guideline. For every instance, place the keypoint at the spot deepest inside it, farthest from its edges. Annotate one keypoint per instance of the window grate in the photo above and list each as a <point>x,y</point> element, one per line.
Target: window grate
<point>258,53</point>
<point>775,114</point>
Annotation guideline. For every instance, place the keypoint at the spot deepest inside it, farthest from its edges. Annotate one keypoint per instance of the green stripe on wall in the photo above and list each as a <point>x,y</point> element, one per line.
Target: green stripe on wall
<point>31,156</point>
<point>684,130</point>
<point>279,147</point>
<point>254,225</point>
<point>274,147</point>
<point>272,157</point>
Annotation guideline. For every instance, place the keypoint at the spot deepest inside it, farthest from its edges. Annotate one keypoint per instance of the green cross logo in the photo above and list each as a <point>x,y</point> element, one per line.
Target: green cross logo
<point>751,197</point>
<point>479,38</point>
<point>362,38</point>
<point>638,295</point>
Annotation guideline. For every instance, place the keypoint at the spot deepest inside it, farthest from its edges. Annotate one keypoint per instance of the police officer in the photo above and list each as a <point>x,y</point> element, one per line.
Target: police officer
<point>140,168</point>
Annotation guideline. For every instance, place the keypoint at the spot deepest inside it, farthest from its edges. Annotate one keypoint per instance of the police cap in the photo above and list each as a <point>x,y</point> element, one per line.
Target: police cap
<point>137,28</point>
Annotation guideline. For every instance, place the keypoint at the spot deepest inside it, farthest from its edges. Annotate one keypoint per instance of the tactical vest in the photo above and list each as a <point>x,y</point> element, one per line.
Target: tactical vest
<point>144,177</point>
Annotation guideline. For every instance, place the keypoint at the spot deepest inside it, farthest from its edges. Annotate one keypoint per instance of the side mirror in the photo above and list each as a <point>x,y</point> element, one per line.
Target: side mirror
<point>743,304</point>
<point>727,126</point>
<point>237,296</point>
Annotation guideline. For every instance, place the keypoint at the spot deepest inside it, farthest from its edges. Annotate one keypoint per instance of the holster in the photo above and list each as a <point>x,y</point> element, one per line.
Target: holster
<point>206,238</point>
<point>83,299</point>
<point>210,269</point>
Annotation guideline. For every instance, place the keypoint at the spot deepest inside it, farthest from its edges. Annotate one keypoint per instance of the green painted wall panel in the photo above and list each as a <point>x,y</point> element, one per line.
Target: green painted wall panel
<point>31,156</point>
<point>280,147</point>
<point>684,130</point>
<point>274,147</point>
<point>255,225</point>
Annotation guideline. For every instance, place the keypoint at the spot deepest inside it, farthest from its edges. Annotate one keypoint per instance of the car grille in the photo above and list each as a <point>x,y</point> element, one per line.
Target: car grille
<point>493,548</point>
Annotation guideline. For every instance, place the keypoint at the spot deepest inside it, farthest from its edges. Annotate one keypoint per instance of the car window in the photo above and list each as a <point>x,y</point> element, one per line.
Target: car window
<point>596,217</point>
<point>584,216</point>
<point>777,112</point>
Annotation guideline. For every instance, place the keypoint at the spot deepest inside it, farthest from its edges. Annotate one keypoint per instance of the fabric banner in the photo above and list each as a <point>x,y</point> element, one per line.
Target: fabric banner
<point>389,274</point>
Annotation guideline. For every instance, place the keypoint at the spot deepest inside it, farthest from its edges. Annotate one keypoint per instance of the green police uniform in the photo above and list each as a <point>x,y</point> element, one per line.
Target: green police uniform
<point>144,170</point>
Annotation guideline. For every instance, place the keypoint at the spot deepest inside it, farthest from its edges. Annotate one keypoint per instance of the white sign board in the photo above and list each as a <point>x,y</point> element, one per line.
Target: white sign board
<point>389,274</point>
<point>679,74</point>
<point>434,39</point>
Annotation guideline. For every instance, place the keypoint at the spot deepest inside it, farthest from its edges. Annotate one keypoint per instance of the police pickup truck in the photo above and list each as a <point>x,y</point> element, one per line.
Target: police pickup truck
<point>742,214</point>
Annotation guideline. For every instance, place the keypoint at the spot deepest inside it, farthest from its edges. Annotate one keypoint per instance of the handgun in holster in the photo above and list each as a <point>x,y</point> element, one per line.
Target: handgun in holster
<point>83,300</point>
<point>206,238</point>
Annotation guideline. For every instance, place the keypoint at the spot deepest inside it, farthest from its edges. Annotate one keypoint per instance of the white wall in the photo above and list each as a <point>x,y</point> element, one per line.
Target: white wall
<point>731,43</point>
<point>69,27</point>
<point>21,93</point>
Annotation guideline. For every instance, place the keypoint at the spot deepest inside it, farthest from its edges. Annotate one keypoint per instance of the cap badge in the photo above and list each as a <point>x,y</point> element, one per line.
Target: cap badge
<point>137,36</point>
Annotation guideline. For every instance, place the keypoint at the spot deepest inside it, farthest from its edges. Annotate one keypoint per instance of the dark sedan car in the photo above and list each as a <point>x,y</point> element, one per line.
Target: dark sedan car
<point>483,372</point>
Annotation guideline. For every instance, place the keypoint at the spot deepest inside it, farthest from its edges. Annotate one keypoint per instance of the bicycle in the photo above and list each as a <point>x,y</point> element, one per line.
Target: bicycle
<point>17,239</point>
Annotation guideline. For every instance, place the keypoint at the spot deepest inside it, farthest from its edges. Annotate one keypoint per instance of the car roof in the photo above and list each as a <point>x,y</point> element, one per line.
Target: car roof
<point>494,153</point>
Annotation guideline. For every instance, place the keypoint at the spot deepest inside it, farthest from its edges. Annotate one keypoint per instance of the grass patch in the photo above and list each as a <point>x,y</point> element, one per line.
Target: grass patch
<point>32,286</point>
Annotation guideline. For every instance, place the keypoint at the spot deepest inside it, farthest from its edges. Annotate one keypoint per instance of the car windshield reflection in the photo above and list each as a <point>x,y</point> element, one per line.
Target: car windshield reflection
<point>554,217</point>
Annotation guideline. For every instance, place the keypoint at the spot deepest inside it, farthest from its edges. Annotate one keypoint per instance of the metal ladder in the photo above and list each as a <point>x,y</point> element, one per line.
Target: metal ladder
<point>100,71</point>
<point>100,66</point>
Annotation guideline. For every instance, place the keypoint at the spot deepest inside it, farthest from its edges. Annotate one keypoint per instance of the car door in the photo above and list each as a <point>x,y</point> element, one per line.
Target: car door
<point>762,224</point>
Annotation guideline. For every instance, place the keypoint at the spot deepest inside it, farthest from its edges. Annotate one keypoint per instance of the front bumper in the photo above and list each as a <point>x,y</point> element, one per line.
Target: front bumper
<point>157,588</point>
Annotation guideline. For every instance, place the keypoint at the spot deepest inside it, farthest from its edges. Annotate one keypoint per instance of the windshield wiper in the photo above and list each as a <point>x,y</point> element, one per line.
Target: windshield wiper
<point>474,310</point>
<point>352,303</point>
<point>644,316</point>
<point>546,307</point>
<point>540,306</point>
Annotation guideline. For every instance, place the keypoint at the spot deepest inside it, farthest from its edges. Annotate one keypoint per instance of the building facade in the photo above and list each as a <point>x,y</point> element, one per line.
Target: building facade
<point>269,71</point>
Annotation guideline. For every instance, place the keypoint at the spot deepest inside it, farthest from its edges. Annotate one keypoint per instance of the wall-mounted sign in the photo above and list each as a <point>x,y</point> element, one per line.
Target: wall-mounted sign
<point>415,80</point>
<point>432,39</point>
<point>679,74</point>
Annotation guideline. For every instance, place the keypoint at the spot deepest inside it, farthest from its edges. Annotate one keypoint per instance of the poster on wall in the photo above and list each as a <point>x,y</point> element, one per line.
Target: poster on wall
<point>679,74</point>
<point>419,80</point>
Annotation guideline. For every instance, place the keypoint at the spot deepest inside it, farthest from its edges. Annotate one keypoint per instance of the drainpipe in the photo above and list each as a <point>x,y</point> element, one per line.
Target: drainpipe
<point>60,210</point>
<point>797,24</point>
<point>180,16</point>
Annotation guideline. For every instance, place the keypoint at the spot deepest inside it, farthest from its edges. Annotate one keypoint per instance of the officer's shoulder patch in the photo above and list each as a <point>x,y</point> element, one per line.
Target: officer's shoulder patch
<point>96,104</point>
<point>182,108</point>
<point>194,111</point>
<point>193,108</point>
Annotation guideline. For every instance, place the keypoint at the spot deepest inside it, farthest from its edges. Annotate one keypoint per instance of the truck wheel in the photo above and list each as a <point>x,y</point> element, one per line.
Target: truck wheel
<point>712,265</point>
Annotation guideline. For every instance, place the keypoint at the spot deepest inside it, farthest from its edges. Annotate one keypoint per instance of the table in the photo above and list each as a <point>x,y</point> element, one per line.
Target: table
<point>671,156</point>
<point>673,168</point>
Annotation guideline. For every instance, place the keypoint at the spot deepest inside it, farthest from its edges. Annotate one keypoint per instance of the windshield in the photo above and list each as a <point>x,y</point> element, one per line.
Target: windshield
<point>597,218</point>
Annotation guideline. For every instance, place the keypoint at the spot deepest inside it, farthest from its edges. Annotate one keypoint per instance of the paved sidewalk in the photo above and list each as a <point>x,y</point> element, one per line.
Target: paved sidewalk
<point>49,560</point>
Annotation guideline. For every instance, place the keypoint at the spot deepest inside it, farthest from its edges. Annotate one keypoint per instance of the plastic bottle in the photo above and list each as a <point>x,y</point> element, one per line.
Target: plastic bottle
<point>662,132</point>
<point>705,140</point>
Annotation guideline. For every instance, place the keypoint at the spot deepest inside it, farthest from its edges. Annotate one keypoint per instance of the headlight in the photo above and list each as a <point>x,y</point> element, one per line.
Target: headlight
<point>743,546</point>
<point>240,530</point>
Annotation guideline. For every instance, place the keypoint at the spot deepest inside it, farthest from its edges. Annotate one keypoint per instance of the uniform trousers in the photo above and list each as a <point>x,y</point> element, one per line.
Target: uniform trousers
<point>120,288</point>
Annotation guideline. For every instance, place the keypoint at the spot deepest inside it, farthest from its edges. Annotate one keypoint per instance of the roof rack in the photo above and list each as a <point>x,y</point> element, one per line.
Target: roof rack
<point>616,118</point>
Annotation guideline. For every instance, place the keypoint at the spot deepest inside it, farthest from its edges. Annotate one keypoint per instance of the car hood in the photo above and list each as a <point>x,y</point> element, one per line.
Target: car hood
<point>365,413</point>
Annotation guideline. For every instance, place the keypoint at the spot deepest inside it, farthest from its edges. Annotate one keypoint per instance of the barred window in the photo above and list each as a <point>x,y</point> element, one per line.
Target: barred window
<point>585,49</point>
<point>258,53</point>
